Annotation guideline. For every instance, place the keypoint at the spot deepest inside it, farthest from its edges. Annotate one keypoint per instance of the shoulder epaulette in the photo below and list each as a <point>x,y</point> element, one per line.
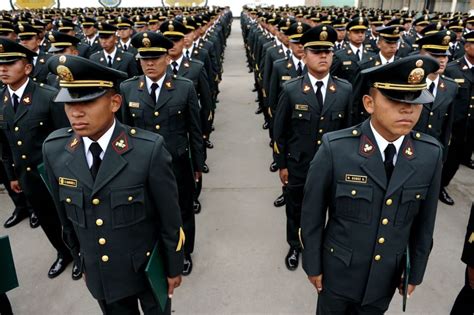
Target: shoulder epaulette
<point>353,132</point>
<point>59,134</point>
<point>416,135</point>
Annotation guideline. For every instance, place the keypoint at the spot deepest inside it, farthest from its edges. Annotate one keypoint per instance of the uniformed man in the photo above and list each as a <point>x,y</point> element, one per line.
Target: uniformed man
<point>7,30</point>
<point>125,33</point>
<point>90,32</point>
<point>340,26</point>
<point>168,105</point>
<point>67,27</point>
<point>462,139</point>
<point>114,189</point>
<point>464,303</point>
<point>111,56</point>
<point>61,44</point>
<point>346,60</point>
<point>456,47</point>
<point>436,118</point>
<point>378,183</point>
<point>308,107</point>
<point>28,116</point>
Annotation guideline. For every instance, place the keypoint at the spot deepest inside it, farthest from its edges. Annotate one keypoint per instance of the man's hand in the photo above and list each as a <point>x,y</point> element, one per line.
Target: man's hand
<point>15,186</point>
<point>173,283</point>
<point>411,288</point>
<point>470,276</point>
<point>284,176</point>
<point>317,281</point>
<point>197,176</point>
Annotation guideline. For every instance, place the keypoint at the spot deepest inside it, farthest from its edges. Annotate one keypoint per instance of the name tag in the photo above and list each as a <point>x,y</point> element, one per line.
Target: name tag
<point>301,107</point>
<point>459,80</point>
<point>285,78</point>
<point>67,182</point>
<point>356,178</point>
<point>347,63</point>
<point>134,105</point>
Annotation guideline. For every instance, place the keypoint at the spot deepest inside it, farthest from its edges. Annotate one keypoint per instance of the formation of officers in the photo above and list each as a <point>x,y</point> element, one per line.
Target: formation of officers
<point>331,84</point>
<point>167,65</point>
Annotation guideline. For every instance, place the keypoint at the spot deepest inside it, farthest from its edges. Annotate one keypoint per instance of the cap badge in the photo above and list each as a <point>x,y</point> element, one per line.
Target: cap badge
<point>396,31</point>
<point>419,63</point>
<point>171,26</point>
<point>1,48</point>
<point>64,73</point>
<point>146,41</point>
<point>446,40</point>
<point>61,23</point>
<point>323,35</point>
<point>416,75</point>
<point>299,29</point>
<point>21,28</point>
<point>361,21</point>
<point>51,38</point>
<point>101,27</point>
<point>119,19</point>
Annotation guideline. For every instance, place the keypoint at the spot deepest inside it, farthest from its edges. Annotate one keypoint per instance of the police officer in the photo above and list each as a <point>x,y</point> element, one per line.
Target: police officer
<point>378,183</point>
<point>90,32</point>
<point>110,55</point>
<point>464,303</point>
<point>67,27</point>
<point>125,33</point>
<point>114,189</point>
<point>308,107</point>
<point>28,116</point>
<point>168,105</point>
<point>462,140</point>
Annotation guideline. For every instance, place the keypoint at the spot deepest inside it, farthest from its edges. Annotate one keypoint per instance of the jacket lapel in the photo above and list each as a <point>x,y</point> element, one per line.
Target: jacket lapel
<point>440,95</point>
<point>77,164</point>
<point>144,96</point>
<point>373,165</point>
<point>113,162</point>
<point>331,95</point>
<point>308,92</point>
<point>466,71</point>
<point>165,92</point>
<point>25,101</point>
<point>403,169</point>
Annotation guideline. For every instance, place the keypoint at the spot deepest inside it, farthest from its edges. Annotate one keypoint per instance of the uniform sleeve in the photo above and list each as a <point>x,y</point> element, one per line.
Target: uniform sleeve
<point>205,99</point>
<point>273,90</point>
<point>125,115</point>
<point>314,207</point>
<point>7,159</point>
<point>348,112</point>
<point>194,130</point>
<point>281,123</point>
<point>421,237</point>
<point>447,127</point>
<point>58,115</point>
<point>468,251</point>
<point>164,194</point>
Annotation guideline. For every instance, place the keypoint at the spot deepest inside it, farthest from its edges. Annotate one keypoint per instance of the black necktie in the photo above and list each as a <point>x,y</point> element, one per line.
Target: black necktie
<point>299,70</point>
<point>338,46</point>
<point>187,53</point>
<point>15,102</point>
<point>175,67</point>
<point>96,150</point>
<point>109,63</point>
<point>154,86</point>
<point>357,53</point>
<point>388,163</point>
<point>125,47</point>
<point>288,54</point>
<point>319,94</point>
<point>432,87</point>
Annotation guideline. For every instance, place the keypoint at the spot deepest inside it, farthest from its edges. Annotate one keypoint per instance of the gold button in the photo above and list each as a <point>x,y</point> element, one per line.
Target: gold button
<point>429,126</point>
<point>471,106</point>
<point>148,253</point>
<point>319,142</point>
<point>418,135</point>
<point>68,200</point>
<point>105,258</point>
<point>300,115</point>
<point>389,202</point>
<point>418,196</point>
<point>381,240</point>
<point>133,115</point>
<point>320,131</point>
<point>354,192</point>
<point>95,201</point>
<point>431,114</point>
<point>41,123</point>
<point>340,115</point>
<point>102,241</point>
<point>17,128</point>
<point>23,157</point>
<point>385,221</point>
<point>133,131</point>
<point>28,169</point>
<point>179,112</point>
<point>157,127</point>
<point>332,250</point>
<point>468,115</point>
<point>377,257</point>
<point>157,114</point>
<point>99,222</point>
<point>130,198</point>
<point>19,143</point>
<point>355,132</point>
<point>322,118</point>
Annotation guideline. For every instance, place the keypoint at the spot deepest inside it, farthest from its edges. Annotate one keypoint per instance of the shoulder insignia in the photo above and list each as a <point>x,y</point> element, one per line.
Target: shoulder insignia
<point>367,148</point>
<point>120,144</point>
<point>289,65</point>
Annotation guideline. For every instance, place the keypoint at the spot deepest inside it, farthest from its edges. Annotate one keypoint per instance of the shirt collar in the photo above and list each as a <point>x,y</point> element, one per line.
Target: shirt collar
<point>178,61</point>
<point>19,92</point>
<point>354,48</point>
<point>149,82</point>
<point>111,54</point>
<point>384,61</point>
<point>296,60</point>
<point>102,141</point>
<point>92,40</point>
<point>126,43</point>
<point>382,143</point>
<point>314,80</point>
<point>470,65</point>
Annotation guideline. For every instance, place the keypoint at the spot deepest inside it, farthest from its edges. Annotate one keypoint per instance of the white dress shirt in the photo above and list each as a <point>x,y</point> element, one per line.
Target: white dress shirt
<point>149,82</point>
<point>382,144</point>
<point>102,141</point>
<point>296,60</point>
<point>384,61</point>
<point>323,87</point>
<point>178,61</point>
<point>112,54</point>
<point>436,81</point>
<point>354,50</point>
<point>19,92</point>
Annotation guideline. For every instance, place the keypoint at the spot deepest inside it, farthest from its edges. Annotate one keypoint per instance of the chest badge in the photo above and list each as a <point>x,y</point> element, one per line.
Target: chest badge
<point>306,88</point>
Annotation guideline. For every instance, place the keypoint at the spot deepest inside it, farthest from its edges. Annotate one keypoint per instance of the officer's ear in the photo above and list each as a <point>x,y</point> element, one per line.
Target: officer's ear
<point>115,101</point>
<point>369,103</point>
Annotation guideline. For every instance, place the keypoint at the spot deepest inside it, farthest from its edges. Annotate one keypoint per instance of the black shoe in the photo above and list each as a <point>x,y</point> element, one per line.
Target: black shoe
<point>213,128</point>
<point>76,272</point>
<point>188,265</point>
<point>259,111</point>
<point>292,258</point>
<point>196,206</point>
<point>254,90</point>
<point>445,198</point>
<point>34,220</point>
<point>469,164</point>
<point>280,201</point>
<point>273,167</point>
<point>14,219</point>
<point>58,266</point>
<point>209,144</point>
<point>205,168</point>
<point>270,144</point>
<point>265,125</point>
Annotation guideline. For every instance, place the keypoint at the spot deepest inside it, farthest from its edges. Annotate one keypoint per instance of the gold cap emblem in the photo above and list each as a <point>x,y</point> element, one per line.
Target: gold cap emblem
<point>62,59</point>
<point>21,28</point>
<point>416,75</point>
<point>171,26</point>
<point>64,73</point>
<point>1,48</point>
<point>299,29</point>
<point>361,20</point>
<point>51,37</point>
<point>323,35</point>
<point>446,40</point>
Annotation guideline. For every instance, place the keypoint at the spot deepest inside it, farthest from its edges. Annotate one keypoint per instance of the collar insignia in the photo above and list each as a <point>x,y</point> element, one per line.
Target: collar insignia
<point>186,64</point>
<point>73,144</point>
<point>27,100</point>
<point>120,144</point>
<point>409,151</point>
<point>118,58</point>
<point>306,88</point>
<point>141,85</point>
<point>332,87</point>
<point>169,85</point>
<point>289,65</point>
<point>367,148</point>
<point>5,98</point>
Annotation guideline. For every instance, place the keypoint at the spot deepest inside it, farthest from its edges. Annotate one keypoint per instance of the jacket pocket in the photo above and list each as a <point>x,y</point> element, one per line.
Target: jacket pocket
<point>176,118</point>
<point>337,250</point>
<point>128,206</point>
<point>137,117</point>
<point>410,203</point>
<point>73,200</point>
<point>353,202</point>
<point>338,115</point>
<point>301,121</point>
<point>140,257</point>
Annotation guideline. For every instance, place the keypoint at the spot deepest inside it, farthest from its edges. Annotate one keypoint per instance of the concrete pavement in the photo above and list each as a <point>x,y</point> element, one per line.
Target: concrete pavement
<point>240,243</point>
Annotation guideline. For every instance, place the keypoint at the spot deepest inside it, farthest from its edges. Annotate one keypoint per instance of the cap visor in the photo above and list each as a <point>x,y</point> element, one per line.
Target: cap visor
<point>66,95</point>
<point>410,98</point>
